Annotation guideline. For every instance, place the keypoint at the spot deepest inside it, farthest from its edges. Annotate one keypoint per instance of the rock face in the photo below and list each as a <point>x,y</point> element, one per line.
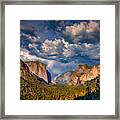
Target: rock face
<point>82,74</point>
<point>25,73</point>
<point>34,70</point>
<point>85,73</point>
<point>38,69</point>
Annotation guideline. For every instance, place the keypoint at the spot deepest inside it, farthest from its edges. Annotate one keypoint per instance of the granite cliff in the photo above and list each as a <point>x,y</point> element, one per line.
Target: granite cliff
<point>38,68</point>
<point>80,75</point>
<point>34,69</point>
<point>84,73</point>
<point>25,73</point>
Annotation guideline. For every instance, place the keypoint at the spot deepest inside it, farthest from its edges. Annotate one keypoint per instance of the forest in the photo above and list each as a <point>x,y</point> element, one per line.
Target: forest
<point>36,90</point>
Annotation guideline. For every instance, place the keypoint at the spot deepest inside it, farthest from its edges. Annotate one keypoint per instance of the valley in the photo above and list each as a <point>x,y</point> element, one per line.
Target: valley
<point>83,83</point>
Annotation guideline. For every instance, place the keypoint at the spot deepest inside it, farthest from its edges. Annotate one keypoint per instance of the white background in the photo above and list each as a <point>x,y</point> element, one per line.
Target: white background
<point>104,13</point>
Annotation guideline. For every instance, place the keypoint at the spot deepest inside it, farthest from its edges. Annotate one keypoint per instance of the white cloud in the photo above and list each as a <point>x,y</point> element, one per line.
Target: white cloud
<point>92,27</point>
<point>53,46</point>
<point>59,47</point>
<point>33,45</point>
<point>82,30</point>
<point>70,50</point>
<point>76,29</point>
<point>33,39</point>
<point>91,50</point>
<point>63,49</point>
<point>25,55</point>
<point>88,46</point>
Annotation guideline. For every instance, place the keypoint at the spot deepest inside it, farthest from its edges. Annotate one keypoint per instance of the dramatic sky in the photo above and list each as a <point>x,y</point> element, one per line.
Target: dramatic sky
<point>60,44</point>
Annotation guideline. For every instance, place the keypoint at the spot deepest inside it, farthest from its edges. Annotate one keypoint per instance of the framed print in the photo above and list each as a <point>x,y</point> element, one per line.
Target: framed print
<point>59,59</point>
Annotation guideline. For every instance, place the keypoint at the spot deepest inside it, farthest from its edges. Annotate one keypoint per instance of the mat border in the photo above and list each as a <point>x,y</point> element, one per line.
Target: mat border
<point>55,2</point>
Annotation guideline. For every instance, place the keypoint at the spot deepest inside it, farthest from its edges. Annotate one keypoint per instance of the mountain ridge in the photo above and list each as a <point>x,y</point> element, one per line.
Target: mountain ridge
<point>80,75</point>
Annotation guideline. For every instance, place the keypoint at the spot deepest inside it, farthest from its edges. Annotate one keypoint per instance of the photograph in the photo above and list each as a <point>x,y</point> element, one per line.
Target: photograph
<point>59,59</point>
